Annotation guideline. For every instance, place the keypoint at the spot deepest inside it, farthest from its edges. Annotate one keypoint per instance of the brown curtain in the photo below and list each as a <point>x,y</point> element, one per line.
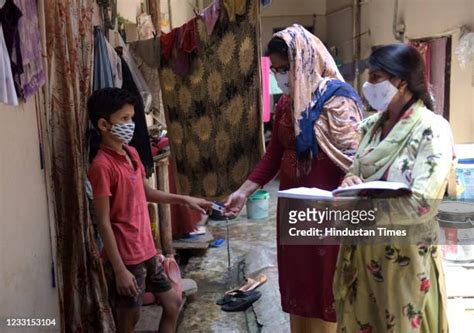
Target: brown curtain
<point>425,50</point>
<point>213,112</point>
<point>69,53</point>
<point>438,74</point>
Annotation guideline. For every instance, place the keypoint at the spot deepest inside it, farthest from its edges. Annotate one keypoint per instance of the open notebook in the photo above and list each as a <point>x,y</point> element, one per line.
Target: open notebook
<point>376,188</point>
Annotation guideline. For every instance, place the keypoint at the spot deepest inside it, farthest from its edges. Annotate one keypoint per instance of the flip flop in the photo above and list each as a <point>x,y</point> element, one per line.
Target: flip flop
<point>189,238</point>
<point>229,297</point>
<point>201,230</point>
<point>218,243</point>
<point>260,280</point>
<point>250,284</point>
<point>242,301</point>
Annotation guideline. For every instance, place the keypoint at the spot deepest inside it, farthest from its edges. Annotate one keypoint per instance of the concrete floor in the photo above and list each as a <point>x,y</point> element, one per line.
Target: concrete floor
<point>253,251</point>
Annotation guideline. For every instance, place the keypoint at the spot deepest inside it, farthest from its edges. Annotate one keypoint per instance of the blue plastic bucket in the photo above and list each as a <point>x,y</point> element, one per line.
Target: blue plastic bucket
<point>465,179</point>
<point>257,205</point>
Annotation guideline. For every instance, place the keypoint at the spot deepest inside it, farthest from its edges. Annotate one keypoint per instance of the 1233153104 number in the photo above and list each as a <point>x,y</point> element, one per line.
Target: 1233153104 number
<point>30,322</point>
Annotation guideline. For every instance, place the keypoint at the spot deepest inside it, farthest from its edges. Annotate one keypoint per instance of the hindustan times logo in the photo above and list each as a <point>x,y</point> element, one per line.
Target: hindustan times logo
<point>319,216</point>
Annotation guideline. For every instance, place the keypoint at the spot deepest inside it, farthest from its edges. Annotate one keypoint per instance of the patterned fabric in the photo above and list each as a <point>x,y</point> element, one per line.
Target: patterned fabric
<point>311,65</point>
<point>234,7</point>
<point>82,288</point>
<point>336,130</point>
<point>213,113</point>
<point>399,287</point>
<point>306,142</point>
<point>372,164</point>
<point>32,78</point>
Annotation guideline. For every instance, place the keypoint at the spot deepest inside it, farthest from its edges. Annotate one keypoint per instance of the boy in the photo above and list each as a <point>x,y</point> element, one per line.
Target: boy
<point>120,200</point>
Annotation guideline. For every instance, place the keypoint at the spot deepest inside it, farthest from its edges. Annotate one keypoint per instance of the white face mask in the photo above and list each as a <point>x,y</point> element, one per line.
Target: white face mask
<point>283,82</point>
<point>124,132</point>
<point>379,95</point>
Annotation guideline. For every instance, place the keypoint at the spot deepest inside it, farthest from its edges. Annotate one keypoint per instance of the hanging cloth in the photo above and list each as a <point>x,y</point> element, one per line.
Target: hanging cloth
<point>7,86</point>
<point>10,15</point>
<point>103,77</point>
<point>187,41</point>
<point>167,44</point>
<point>141,139</point>
<point>143,89</point>
<point>116,64</point>
<point>210,15</point>
<point>148,51</point>
<point>235,7</point>
<point>32,78</point>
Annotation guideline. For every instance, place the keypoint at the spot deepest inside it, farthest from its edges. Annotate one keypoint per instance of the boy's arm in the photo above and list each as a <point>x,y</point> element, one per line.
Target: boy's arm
<point>126,282</point>
<point>198,204</point>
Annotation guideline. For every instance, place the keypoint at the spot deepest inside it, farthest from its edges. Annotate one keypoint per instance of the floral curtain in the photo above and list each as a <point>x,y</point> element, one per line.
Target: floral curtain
<point>213,112</point>
<point>69,45</point>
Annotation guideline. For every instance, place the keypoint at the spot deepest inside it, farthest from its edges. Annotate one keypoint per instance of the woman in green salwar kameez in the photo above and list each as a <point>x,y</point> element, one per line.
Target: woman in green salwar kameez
<point>398,287</point>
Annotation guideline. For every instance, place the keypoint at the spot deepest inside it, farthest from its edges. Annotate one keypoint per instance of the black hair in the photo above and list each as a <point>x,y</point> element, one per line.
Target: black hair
<point>105,102</point>
<point>406,63</point>
<point>277,46</point>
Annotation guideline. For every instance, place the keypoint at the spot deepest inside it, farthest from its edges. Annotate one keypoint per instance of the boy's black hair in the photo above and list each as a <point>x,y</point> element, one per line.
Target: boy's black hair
<point>105,102</point>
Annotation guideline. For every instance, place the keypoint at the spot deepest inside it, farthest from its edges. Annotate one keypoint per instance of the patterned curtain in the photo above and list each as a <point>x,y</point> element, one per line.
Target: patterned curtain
<point>69,45</point>
<point>213,112</point>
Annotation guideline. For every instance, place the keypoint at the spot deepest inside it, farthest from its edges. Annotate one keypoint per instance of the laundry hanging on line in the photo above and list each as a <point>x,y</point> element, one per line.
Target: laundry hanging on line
<point>32,78</point>
<point>103,77</point>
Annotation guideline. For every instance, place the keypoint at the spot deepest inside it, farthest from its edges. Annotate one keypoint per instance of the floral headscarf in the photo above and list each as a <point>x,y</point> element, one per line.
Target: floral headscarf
<point>311,65</point>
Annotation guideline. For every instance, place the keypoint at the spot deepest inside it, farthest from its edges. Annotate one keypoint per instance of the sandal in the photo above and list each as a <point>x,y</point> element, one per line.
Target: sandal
<point>241,301</point>
<point>229,297</point>
<point>250,284</point>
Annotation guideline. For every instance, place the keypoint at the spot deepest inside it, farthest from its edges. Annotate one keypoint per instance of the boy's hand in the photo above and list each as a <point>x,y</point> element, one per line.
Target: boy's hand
<point>198,204</point>
<point>126,283</point>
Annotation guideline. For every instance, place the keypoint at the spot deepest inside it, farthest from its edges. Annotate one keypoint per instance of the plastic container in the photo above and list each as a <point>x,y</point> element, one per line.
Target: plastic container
<point>257,205</point>
<point>465,179</point>
<point>456,219</point>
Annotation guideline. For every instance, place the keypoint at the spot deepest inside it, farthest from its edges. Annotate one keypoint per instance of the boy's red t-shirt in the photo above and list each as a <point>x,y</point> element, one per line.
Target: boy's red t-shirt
<point>111,175</point>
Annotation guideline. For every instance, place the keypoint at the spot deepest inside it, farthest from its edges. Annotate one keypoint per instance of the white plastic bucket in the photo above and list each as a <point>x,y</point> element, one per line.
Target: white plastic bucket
<point>257,205</point>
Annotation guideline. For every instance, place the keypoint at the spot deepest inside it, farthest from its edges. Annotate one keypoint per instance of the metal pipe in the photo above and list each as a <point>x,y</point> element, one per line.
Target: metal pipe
<point>170,14</point>
<point>398,29</point>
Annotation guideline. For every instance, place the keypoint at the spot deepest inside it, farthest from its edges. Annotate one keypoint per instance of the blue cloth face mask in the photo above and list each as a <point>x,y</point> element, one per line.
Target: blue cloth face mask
<point>124,132</point>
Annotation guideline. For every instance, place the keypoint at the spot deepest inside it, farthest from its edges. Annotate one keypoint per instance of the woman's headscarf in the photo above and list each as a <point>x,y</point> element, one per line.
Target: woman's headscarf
<point>311,65</point>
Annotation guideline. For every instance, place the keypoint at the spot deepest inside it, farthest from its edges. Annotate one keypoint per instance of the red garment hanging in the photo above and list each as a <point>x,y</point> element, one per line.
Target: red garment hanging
<point>167,43</point>
<point>187,40</point>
